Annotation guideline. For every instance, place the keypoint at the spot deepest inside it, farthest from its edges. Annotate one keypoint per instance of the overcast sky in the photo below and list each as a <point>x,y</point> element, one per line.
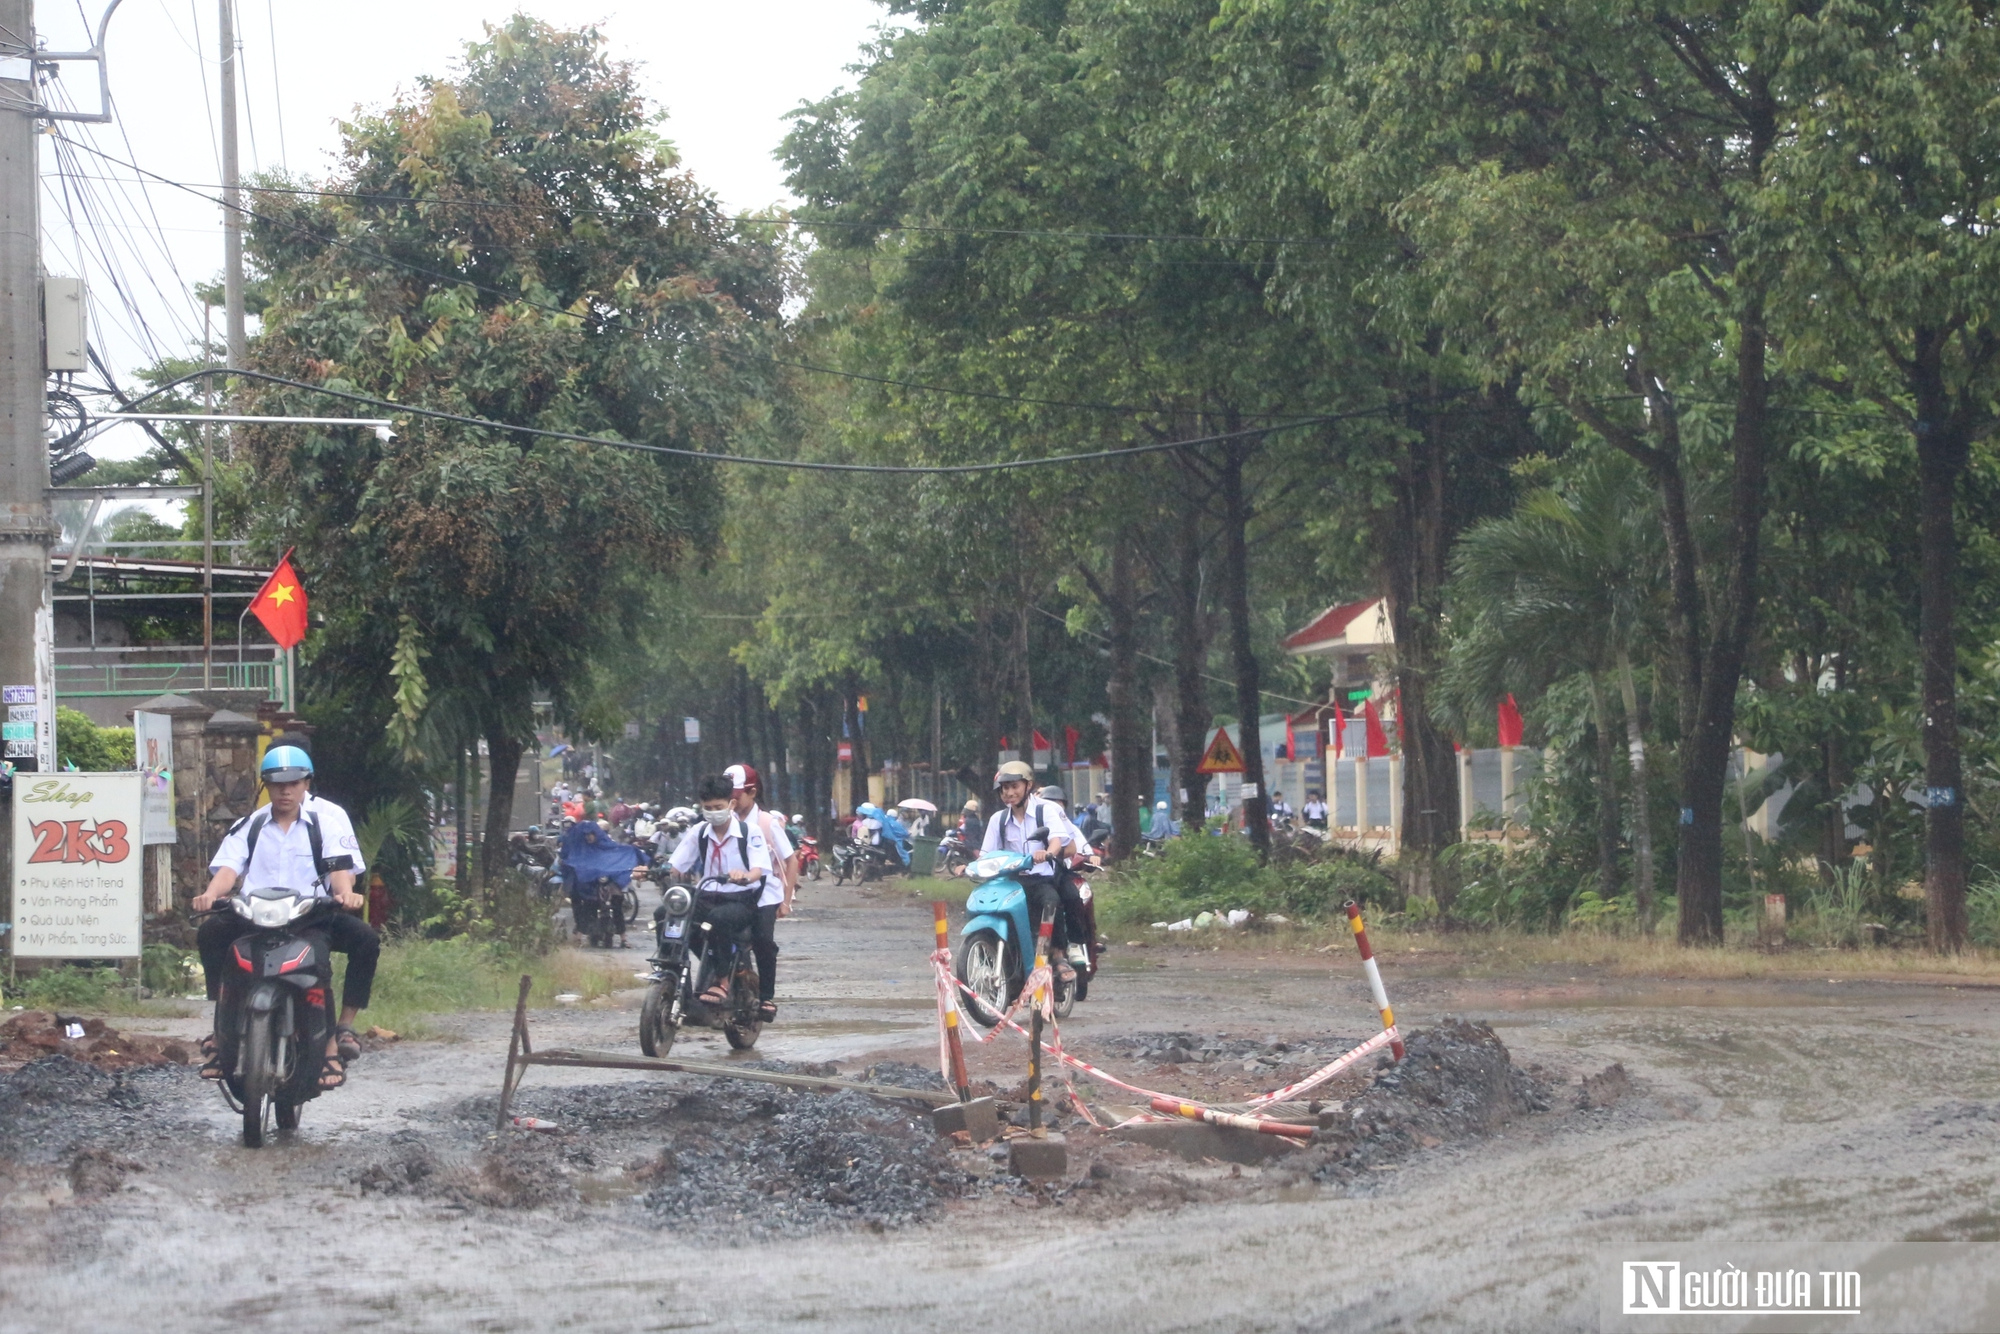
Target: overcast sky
<point>725,71</point>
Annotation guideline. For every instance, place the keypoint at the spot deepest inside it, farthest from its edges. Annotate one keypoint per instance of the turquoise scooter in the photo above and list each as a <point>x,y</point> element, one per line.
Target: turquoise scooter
<point>996,945</point>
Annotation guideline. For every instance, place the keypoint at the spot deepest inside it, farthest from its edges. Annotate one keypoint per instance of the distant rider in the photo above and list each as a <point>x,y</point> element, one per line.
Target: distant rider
<point>306,845</point>
<point>1315,810</point>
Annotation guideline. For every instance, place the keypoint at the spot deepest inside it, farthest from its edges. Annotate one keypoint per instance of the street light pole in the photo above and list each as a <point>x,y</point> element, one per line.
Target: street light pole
<point>232,197</point>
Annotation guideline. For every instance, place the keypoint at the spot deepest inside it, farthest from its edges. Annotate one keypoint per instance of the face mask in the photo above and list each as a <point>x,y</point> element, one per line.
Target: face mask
<point>717,818</point>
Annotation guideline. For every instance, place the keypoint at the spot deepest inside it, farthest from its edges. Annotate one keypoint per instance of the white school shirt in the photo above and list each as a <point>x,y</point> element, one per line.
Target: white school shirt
<point>711,854</point>
<point>1005,833</point>
<point>780,846</point>
<point>284,857</point>
<point>1315,810</point>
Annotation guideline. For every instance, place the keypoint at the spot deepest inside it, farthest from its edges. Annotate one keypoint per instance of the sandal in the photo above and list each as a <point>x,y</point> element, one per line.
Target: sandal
<point>347,1043</point>
<point>333,1074</point>
<point>715,995</point>
<point>767,1012</point>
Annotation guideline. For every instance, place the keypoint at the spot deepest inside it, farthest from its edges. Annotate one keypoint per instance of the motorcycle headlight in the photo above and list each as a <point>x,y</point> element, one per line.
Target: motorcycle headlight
<point>271,912</point>
<point>678,901</point>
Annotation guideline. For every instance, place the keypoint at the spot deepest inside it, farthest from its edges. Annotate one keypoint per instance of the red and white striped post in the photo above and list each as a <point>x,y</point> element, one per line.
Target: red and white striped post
<point>1035,1029</point>
<point>1369,967</point>
<point>959,1079</point>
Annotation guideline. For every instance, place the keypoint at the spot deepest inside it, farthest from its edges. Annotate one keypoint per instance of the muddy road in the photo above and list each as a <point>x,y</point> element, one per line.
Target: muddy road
<point>1836,1112</point>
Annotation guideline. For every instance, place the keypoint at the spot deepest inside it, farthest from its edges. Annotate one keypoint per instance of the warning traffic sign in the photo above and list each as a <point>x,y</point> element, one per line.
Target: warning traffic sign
<point>1222,756</point>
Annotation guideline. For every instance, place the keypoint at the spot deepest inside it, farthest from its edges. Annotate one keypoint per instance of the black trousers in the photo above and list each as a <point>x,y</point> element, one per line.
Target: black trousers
<point>344,933</point>
<point>764,945</point>
<point>1045,899</point>
<point>1071,916</point>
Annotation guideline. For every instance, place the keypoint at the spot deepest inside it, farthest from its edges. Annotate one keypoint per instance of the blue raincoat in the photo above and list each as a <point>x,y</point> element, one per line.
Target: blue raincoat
<point>893,828</point>
<point>589,852</point>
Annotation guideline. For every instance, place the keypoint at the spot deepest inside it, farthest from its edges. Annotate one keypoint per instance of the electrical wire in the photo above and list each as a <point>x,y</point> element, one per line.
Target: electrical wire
<point>515,297</point>
<point>1149,657</point>
<point>799,465</point>
<point>277,86</point>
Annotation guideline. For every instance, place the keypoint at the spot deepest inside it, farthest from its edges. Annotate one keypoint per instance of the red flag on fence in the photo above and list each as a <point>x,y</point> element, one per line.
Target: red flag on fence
<point>1339,731</point>
<point>281,604</point>
<point>1510,722</point>
<point>1378,740</point>
<point>1291,740</point>
<point>1041,742</point>
<point>1070,737</point>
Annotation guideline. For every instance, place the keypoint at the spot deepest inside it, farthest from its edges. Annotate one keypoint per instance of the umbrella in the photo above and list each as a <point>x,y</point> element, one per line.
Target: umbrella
<point>558,749</point>
<point>916,804</point>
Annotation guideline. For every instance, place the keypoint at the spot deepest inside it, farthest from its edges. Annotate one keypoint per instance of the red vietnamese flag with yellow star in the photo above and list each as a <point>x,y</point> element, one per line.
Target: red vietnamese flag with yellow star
<point>281,604</point>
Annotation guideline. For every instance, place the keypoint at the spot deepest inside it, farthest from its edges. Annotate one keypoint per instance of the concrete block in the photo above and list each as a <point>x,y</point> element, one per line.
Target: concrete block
<point>1038,1159</point>
<point>979,1119</point>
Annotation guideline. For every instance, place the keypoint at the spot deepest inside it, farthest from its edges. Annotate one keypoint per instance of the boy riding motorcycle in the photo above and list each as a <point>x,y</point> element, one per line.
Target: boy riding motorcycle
<point>1021,813</point>
<point>775,900</point>
<point>730,862</point>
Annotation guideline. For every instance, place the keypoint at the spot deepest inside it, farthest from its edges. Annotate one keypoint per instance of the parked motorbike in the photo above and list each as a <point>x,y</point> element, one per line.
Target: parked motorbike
<point>809,857</point>
<point>699,940</point>
<point>275,1017</point>
<point>996,944</point>
<point>954,850</point>
<point>859,859</point>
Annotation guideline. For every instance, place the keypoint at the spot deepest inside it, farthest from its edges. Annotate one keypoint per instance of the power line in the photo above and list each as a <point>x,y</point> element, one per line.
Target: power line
<point>799,465</point>
<point>1149,657</point>
<point>464,281</point>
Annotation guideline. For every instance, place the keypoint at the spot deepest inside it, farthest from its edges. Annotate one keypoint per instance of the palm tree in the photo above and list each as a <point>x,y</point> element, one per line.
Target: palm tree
<point>1566,583</point>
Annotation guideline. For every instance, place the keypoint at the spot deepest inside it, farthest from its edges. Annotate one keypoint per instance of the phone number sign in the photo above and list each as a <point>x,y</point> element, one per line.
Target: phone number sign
<point>79,890</point>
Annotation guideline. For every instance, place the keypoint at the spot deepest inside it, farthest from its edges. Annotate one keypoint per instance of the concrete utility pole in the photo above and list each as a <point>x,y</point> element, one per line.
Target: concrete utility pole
<point>26,530</point>
<point>232,197</point>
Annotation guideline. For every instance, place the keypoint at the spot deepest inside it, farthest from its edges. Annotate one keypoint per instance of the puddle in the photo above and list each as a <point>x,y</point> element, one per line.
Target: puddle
<point>1791,996</point>
<point>834,1027</point>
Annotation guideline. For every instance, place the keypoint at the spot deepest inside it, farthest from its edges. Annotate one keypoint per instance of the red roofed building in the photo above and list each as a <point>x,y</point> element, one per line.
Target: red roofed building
<point>1353,635</point>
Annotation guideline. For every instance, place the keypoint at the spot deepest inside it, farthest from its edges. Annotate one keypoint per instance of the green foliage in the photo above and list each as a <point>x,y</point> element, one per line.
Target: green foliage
<point>1983,905</point>
<point>166,970</point>
<point>1210,873</point>
<point>1839,909</point>
<point>82,744</point>
<point>70,987</point>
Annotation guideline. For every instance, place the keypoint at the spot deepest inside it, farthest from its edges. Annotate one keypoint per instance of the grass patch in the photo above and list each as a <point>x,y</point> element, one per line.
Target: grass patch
<point>419,978</point>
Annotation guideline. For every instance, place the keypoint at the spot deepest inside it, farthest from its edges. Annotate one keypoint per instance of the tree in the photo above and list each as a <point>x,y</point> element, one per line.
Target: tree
<point>1568,582</point>
<point>1892,180</point>
<point>515,244</point>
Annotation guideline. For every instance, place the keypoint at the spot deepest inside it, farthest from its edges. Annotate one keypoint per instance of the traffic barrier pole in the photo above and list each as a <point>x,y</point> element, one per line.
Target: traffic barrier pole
<point>1035,1036</point>
<point>959,1079</point>
<point>1374,977</point>
<point>1196,1112</point>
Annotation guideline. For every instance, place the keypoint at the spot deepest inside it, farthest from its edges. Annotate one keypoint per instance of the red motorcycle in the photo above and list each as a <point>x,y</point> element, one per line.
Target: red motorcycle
<point>809,856</point>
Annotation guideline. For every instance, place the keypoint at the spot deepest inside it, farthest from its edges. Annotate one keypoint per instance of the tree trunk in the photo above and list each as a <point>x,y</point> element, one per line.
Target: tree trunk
<point>1167,723</point>
<point>1607,791</point>
<point>1024,685</point>
<point>809,753</point>
<point>1130,745</point>
<point>1191,635</point>
<point>1642,815</point>
<point>1942,450</point>
<point>1418,546</point>
<point>1705,748</point>
<point>462,814</point>
<point>1236,596</point>
<point>503,758</point>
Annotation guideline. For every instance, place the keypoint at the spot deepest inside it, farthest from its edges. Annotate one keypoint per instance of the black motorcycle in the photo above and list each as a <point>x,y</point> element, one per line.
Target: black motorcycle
<point>700,940</point>
<point>275,1016</point>
<point>603,909</point>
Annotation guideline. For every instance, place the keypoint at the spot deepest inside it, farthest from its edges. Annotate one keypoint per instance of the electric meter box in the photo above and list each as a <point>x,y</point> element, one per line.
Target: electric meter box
<point>63,324</point>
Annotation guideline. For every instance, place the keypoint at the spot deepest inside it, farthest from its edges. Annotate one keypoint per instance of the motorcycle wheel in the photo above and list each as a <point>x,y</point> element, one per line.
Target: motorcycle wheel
<point>288,1115</point>
<point>658,1025</point>
<point>982,966</point>
<point>815,871</point>
<point>628,908</point>
<point>839,873</point>
<point>1067,996</point>
<point>259,1078</point>
<point>742,1027</point>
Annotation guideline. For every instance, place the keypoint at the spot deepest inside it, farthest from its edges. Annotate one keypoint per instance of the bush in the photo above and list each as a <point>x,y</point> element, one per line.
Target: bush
<point>1982,905</point>
<point>69,987</point>
<point>1202,873</point>
<point>91,748</point>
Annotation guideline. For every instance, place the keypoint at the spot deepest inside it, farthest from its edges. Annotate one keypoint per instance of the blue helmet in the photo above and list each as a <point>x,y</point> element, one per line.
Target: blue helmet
<point>285,764</point>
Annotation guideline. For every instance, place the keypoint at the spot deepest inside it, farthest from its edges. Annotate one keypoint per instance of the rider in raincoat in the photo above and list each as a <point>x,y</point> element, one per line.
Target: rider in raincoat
<point>893,829</point>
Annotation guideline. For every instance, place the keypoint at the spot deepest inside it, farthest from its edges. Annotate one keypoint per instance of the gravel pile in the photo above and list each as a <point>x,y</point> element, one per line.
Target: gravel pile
<point>1255,1055</point>
<point>52,1107</point>
<point>33,1034</point>
<point>1457,1081</point>
<point>791,1163</point>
